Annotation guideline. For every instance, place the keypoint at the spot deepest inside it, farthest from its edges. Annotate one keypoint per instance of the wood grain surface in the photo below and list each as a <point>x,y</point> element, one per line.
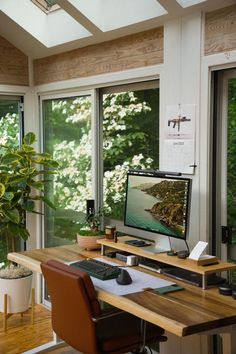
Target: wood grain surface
<point>13,65</point>
<point>21,335</point>
<point>182,313</point>
<point>220,30</point>
<point>138,50</point>
<point>163,257</point>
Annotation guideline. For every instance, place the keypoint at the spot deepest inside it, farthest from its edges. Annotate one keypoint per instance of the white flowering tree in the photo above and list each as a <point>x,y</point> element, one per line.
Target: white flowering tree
<point>129,140</point>
<point>124,146</point>
<point>9,130</point>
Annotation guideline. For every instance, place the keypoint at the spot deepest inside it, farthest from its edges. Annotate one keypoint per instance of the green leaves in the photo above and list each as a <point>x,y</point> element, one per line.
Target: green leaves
<point>29,139</point>
<point>18,230</point>
<point>48,202</point>
<point>2,189</point>
<point>22,171</point>
<point>10,158</point>
<point>11,214</point>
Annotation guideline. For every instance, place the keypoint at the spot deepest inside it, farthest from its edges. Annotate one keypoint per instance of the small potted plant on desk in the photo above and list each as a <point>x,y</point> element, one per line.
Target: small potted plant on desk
<point>89,231</point>
<point>22,172</point>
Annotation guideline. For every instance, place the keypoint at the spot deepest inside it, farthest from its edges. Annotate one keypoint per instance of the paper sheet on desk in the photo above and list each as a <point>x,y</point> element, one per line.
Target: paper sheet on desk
<point>140,281</point>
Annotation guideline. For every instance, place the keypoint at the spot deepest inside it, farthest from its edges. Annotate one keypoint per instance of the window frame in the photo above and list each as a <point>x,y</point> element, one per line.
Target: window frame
<point>62,95</point>
<point>132,86</point>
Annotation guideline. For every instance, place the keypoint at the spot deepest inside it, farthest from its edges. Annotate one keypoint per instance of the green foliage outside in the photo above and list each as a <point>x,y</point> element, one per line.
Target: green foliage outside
<point>130,139</point>
<point>231,161</point>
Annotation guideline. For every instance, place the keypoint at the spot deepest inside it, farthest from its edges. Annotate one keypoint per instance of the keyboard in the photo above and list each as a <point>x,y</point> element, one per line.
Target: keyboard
<point>97,269</point>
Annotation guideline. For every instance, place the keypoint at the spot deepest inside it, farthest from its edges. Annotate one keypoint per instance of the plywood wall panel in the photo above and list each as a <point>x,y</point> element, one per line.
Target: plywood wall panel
<point>128,52</point>
<point>220,30</point>
<point>13,65</point>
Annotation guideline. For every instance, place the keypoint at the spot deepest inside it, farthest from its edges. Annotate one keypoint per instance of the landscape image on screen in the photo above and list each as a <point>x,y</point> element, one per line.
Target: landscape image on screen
<point>157,204</point>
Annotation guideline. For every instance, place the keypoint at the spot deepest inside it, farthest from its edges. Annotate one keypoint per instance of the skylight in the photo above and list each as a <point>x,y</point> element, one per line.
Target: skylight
<point>112,14</point>
<point>47,28</point>
<point>46,5</point>
<point>188,3</point>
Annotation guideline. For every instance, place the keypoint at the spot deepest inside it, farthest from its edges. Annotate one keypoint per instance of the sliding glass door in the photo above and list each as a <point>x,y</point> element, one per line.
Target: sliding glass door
<point>67,136</point>
<point>224,165</point>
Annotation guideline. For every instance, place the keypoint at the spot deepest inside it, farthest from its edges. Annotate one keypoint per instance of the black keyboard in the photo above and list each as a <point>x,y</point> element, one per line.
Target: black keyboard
<point>97,269</point>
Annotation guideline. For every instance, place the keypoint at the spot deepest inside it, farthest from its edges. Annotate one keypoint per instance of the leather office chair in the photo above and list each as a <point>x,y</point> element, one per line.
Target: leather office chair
<point>78,319</point>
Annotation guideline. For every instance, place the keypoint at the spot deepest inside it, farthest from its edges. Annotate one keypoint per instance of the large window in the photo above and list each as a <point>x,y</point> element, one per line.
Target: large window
<point>130,138</point>
<point>10,134</point>
<point>67,136</point>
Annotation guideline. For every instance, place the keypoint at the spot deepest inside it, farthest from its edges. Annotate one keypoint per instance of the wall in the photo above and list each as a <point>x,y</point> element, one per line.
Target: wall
<point>220,29</point>
<point>180,47</point>
<point>13,65</point>
<point>133,51</point>
<point>178,54</point>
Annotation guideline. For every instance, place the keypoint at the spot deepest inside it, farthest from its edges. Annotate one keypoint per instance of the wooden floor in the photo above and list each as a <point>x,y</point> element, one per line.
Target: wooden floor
<point>21,335</point>
<point>65,350</point>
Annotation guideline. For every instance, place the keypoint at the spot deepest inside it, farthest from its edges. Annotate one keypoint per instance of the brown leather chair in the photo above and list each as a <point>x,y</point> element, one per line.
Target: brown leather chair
<point>78,319</point>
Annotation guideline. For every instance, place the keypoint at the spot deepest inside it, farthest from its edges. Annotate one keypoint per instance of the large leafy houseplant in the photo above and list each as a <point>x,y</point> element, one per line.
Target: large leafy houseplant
<point>23,175</point>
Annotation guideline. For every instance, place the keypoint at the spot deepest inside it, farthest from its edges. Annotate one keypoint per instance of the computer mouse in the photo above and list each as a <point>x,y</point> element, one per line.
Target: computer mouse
<point>225,289</point>
<point>124,278</point>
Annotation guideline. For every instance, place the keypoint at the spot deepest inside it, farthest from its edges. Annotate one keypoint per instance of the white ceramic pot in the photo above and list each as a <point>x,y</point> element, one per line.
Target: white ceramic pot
<point>89,242</point>
<point>18,291</point>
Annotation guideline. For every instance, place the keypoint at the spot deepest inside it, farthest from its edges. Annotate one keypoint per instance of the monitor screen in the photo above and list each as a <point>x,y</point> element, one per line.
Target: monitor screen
<point>158,204</point>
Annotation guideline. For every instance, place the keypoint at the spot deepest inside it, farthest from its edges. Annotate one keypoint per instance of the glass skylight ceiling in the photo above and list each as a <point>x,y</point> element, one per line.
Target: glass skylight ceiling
<point>77,19</point>
<point>46,5</point>
<point>112,14</point>
<point>54,26</point>
<point>187,3</point>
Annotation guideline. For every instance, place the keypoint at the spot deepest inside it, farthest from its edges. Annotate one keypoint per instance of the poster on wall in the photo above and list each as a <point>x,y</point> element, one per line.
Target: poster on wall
<point>179,139</point>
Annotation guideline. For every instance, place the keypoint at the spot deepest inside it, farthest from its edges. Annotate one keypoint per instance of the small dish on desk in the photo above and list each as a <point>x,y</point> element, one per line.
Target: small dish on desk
<point>138,243</point>
<point>182,254</point>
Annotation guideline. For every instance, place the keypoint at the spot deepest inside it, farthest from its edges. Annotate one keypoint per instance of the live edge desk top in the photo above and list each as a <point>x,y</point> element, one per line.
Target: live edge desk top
<point>182,313</point>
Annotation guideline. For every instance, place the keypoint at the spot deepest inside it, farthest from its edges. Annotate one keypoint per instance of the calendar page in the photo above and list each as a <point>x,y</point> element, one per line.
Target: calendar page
<point>178,153</point>
<point>178,156</point>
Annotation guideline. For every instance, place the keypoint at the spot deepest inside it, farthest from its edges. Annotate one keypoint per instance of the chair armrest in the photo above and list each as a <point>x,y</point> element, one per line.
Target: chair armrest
<point>107,314</point>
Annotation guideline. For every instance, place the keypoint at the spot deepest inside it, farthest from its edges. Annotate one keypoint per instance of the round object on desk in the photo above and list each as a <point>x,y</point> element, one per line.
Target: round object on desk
<point>225,289</point>
<point>234,294</point>
<point>182,254</point>
<point>171,253</point>
<point>124,278</point>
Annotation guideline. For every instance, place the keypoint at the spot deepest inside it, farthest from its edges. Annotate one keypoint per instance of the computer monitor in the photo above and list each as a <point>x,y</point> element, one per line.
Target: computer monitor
<point>158,204</point>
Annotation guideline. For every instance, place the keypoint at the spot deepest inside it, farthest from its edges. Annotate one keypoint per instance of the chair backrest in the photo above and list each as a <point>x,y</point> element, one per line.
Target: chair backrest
<point>74,303</point>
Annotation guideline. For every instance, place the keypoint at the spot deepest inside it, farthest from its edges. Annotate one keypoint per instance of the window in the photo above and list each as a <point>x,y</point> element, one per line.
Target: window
<point>130,138</point>
<point>10,133</point>
<point>67,136</point>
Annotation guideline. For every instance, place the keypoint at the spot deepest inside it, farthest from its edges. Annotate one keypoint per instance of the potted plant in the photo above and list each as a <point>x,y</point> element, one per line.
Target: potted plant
<point>89,231</point>
<point>23,175</point>
<point>15,286</point>
<point>23,172</point>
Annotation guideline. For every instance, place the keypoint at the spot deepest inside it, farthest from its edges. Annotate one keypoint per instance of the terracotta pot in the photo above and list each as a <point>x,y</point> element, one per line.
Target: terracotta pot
<point>89,242</point>
<point>18,292</point>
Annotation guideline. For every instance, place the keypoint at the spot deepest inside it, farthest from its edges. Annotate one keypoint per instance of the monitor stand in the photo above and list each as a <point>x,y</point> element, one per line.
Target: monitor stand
<point>163,245</point>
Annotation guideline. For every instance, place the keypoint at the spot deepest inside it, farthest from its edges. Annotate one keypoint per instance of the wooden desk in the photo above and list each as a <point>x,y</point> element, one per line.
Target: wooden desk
<point>182,313</point>
<point>164,258</point>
